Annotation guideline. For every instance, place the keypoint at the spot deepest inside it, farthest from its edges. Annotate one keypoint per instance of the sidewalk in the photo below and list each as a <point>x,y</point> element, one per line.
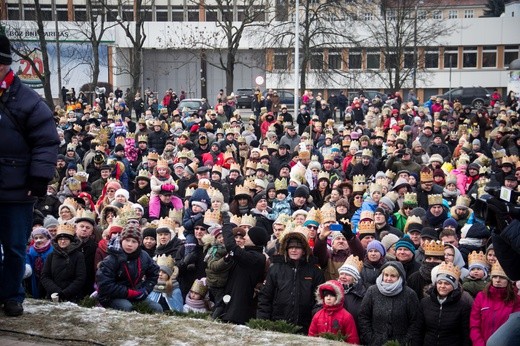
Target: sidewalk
<point>21,340</point>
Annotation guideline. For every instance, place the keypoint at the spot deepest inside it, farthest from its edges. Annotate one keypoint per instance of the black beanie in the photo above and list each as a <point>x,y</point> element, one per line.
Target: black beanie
<point>5,51</point>
<point>150,232</point>
<point>119,147</point>
<point>258,236</point>
<point>302,191</point>
<point>258,197</point>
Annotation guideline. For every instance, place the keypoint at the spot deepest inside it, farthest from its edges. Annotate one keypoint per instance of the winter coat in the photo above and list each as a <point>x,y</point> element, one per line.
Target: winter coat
<point>217,268</point>
<point>28,155</point>
<point>117,274</point>
<point>262,221</point>
<point>157,140</point>
<point>248,271</point>
<point>288,293</point>
<point>488,313</point>
<point>334,319</point>
<point>353,298</point>
<point>385,318</point>
<point>446,323</point>
<point>30,258</point>
<point>191,267</point>
<point>473,287</point>
<point>65,272</point>
<point>370,272</point>
<point>330,261</point>
<point>173,299</point>
<point>88,248</point>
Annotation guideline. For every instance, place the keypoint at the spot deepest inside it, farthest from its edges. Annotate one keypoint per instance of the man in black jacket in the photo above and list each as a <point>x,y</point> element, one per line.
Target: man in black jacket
<point>28,154</point>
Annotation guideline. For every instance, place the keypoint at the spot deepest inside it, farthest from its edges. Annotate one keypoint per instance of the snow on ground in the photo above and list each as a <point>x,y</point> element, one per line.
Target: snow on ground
<point>68,323</point>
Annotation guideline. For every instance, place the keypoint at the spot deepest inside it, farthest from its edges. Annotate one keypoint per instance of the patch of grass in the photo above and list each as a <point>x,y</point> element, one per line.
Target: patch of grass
<point>88,302</point>
<point>392,343</point>
<point>275,326</point>
<point>143,308</point>
<point>191,314</point>
<point>332,336</point>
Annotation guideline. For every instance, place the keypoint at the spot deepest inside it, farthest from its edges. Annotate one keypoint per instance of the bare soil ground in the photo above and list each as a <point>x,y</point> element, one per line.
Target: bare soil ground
<point>69,324</point>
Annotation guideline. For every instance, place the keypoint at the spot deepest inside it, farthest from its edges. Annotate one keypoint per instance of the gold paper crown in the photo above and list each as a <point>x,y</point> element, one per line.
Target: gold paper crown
<point>234,167</point>
<point>280,184</point>
<point>166,222</point>
<point>477,258</point>
<point>314,215</point>
<point>314,158</point>
<point>375,188</point>
<point>241,139</point>
<point>215,194</point>
<point>366,226</point>
<point>410,198</point>
<point>120,140</point>
<point>390,174</point>
<point>355,262</point>
<point>426,175</point>
<point>128,213</point>
<point>366,152</point>
<point>100,148</point>
<point>463,201</point>
<point>175,215</point>
<point>82,177</point>
<point>143,173</point>
<point>71,202</point>
<point>153,156</point>
<point>328,135</point>
<point>74,184</point>
<point>250,164</point>
<point>142,138</point>
<point>434,200</point>
<point>241,190</point>
<point>118,221</point>
<point>358,179</point>
<point>217,169</point>
<point>189,192</point>
<point>130,135</point>
<point>433,248</point>
<point>249,220</point>
<point>497,270</point>
<point>304,154</point>
<point>366,215</point>
<point>328,214</point>
<point>87,214</point>
<point>264,153</point>
<point>359,187</point>
<point>283,219</point>
<point>354,143</point>
<point>262,166</point>
<point>65,228</point>
<point>212,217</point>
<point>228,155</point>
<point>162,163</point>
<point>204,184</point>
<point>328,158</point>
<point>323,175</point>
<point>166,261</point>
<point>235,219</point>
<point>449,269</point>
<point>412,219</point>
<point>336,146</point>
<point>199,287</point>
<point>77,127</point>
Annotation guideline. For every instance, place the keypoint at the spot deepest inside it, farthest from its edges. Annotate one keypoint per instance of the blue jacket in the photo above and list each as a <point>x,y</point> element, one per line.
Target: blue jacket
<point>30,258</point>
<point>31,154</point>
<point>174,301</point>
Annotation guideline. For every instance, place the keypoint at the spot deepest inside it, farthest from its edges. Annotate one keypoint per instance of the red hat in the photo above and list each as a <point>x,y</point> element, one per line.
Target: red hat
<point>395,111</point>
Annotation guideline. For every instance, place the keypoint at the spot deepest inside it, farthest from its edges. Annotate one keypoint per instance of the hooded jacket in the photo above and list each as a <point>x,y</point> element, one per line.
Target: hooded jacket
<point>288,293</point>
<point>334,318</point>
<point>384,318</point>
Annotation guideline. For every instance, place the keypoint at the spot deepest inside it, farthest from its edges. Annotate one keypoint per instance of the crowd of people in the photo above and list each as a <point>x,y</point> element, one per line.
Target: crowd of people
<point>370,228</point>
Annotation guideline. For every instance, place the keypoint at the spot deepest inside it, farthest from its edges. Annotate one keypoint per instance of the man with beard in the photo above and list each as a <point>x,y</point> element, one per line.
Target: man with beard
<point>98,185</point>
<point>365,167</point>
<point>202,144</point>
<point>405,163</point>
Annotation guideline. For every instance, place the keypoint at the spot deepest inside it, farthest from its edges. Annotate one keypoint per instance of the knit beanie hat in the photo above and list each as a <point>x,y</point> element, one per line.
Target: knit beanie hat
<point>258,236</point>
<point>200,198</point>
<point>122,192</point>
<point>150,232</point>
<point>113,185</point>
<point>480,266</point>
<point>376,245</point>
<point>450,279</point>
<point>131,231</point>
<point>389,240</point>
<point>450,222</point>
<point>5,51</point>
<point>119,147</point>
<point>302,191</point>
<point>258,197</point>
<point>351,270</point>
<point>41,231</point>
<point>406,242</point>
<point>50,221</point>
<point>388,202</point>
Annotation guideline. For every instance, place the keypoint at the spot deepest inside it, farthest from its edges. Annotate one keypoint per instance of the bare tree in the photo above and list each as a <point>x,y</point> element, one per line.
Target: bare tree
<point>323,25</point>
<point>399,28</point>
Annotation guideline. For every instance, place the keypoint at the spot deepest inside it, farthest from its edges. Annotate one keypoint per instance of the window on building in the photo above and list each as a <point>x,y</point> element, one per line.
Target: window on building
<point>334,59</point>
<point>211,14</point>
<point>46,12</point>
<point>161,13</point>
<point>437,14</point>
<point>409,58</point>
<point>317,60</point>
<point>127,13</point>
<point>392,60</point>
<point>29,13</point>
<point>368,16</point>
<point>489,56</point>
<point>280,61</point>
<point>147,14</point>
<point>469,57</point>
<point>354,59</point>
<point>227,15</point>
<point>453,14</point>
<point>510,54</point>
<point>431,58</point>
<point>80,13</point>
<point>13,12</point>
<point>451,57</point>
<point>373,59</point>
<point>111,13</point>
<point>281,10</point>
<point>193,14</point>
<point>177,14</point>
<point>469,13</point>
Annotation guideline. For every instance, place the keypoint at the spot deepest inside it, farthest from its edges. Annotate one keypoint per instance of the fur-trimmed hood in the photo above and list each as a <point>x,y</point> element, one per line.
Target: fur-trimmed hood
<point>298,236</point>
<point>334,286</point>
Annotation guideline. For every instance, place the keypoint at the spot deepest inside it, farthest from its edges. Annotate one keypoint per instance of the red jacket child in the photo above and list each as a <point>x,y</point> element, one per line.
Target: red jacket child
<point>333,318</point>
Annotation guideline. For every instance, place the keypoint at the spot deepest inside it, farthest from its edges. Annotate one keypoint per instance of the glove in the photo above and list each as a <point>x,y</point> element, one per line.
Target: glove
<point>196,217</point>
<point>37,186</point>
<point>168,187</point>
<point>347,230</point>
<point>136,294</point>
<point>225,218</point>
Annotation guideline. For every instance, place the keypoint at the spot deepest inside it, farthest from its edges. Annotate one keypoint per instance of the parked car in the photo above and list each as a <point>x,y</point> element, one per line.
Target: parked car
<point>244,97</point>
<point>476,97</point>
<point>193,105</point>
<point>369,94</point>
<point>286,97</point>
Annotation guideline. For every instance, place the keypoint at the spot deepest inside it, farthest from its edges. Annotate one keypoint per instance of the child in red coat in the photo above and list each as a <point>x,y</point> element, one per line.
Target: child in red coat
<point>333,318</point>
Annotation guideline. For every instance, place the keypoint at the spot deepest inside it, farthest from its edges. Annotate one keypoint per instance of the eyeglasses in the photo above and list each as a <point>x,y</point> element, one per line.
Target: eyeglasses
<point>407,207</point>
<point>312,227</point>
<point>315,170</point>
<point>358,197</point>
<point>199,229</point>
<point>448,255</point>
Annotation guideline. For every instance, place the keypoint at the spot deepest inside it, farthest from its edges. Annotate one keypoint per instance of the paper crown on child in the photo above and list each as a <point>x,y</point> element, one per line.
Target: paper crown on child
<point>477,258</point>
<point>199,286</point>
<point>166,264</point>
<point>212,217</point>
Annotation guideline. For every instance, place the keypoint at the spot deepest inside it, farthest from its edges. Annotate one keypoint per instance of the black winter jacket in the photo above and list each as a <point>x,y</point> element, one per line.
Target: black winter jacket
<point>289,291</point>
<point>446,324</point>
<point>64,272</point>
<point>117,274</point>
<point>30,155</point>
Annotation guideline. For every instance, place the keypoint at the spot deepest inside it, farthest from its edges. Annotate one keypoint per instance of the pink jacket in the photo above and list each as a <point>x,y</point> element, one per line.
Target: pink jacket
<point>461,181</point>
<point>488,314</point>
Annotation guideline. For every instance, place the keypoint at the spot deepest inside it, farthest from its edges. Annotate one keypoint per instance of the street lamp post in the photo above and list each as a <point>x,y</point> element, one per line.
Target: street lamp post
<point>296,54</point>
<point>415,49</point>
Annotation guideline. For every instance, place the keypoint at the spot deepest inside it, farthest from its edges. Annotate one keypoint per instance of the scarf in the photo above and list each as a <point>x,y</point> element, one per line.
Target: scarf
<point>195,304</point>
<point>38,261</point>
<point>436,220</point>
<point>243,210</point>
<point>425,270</point>
<point>389,290</point>
<point>471,242</point>
<point>166,249</point>
<point>450,194</point>
<point>6,83</point>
